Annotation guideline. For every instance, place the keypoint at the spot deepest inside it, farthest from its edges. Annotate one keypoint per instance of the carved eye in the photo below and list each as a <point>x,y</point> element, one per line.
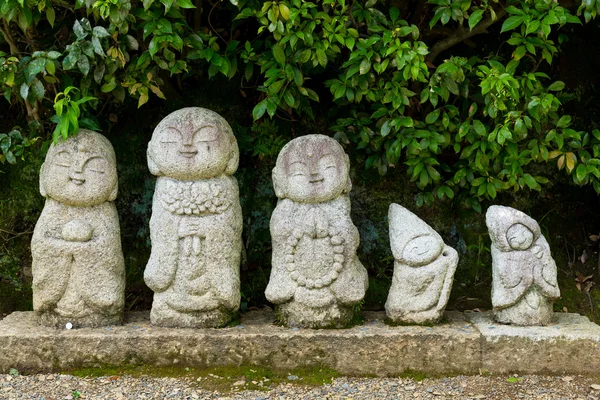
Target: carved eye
<point>327,162</point>
<point>63,159</point>
<point>297,169</point>
<point>170,135</point>
<point>96,164</point>
<point>206,134</point>
<point>422,250</point>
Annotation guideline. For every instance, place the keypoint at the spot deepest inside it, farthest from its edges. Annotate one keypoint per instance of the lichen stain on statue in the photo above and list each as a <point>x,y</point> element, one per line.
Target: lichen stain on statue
<point>316,278</point>
<point>78,268</point>
<point>196,222</point>
<point>424,269</point>
<point>524,284</point>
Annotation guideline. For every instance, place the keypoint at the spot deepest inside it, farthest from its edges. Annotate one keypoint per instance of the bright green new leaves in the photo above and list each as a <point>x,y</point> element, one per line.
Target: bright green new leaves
<point>68,105</point>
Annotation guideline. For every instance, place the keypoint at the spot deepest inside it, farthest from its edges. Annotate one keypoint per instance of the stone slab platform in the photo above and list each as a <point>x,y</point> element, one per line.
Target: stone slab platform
<point>373,348</point>
<point>570,345</point>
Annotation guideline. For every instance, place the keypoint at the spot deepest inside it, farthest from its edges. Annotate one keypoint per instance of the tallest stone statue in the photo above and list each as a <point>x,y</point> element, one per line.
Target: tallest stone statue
<point>196,224</point>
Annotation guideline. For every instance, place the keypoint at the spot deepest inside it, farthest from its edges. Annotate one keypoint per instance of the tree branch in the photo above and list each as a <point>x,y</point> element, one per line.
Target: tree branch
<point>14,50</point>
<point>463,34</point>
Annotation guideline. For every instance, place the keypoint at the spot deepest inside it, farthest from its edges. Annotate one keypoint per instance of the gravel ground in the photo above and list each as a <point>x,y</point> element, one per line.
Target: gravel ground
<point>67,387</point>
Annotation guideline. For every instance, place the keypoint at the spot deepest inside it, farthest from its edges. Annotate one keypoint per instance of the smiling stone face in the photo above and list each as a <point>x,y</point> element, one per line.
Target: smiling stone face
<point>80,171</point>
<point>519,237</point>
<point>192,143</point>
<point>311,169</point>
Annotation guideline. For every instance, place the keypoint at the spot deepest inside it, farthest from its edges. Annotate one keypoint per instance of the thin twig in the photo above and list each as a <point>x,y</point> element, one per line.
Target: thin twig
<point>14,49</point>
<point>210,24</point>
<point>462,34</point>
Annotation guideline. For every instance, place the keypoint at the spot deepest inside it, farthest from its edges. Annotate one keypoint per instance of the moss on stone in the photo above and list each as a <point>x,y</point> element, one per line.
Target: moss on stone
<point>220,379</point>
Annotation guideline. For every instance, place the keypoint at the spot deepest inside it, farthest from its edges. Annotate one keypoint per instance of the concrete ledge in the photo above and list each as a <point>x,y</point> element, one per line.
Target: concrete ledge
<point>570,345</point>
<point>458,346</point>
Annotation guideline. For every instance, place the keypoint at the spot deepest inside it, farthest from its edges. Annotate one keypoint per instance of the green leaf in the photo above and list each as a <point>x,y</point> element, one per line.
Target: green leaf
<point>432,116</point>
<point>108,87</point>
<point>79,31</point>
<point>385,128</point>
<point>24,91</point>
<point>259,109</point>
<point>581,172</point>
<point>100,32</point>
<point>531,182</point>
<point>185,4</point>
<point>37,89</point>
<point>83,63</point>
<point>564,121</point>
<point>479,127</point>
<point>10,157</point>
<point>365,66</point>
<point>50,16</point>
<point>557,86</point>
<point>350,42</point>
<point>289,98</point>
<point>491,190</point>
<point>474,18</point>
<point>511,23</point>
<point>279,54</point>
<point>394,14</point>
<point>321,57</point>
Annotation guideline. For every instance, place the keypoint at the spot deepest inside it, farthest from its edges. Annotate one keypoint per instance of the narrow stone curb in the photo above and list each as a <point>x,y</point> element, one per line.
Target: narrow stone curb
<point>467,343</point>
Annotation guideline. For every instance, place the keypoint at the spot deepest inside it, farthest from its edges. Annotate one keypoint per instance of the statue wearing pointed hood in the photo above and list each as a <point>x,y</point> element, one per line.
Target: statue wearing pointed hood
<point>316,277</point>
<point>196,224</point>
<point>524,284</point>
<point>424,269</point>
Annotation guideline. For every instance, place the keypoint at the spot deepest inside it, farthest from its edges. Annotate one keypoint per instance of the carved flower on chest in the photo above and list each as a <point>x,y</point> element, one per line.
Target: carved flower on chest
<point>314,251</point>
<point>195,198</point>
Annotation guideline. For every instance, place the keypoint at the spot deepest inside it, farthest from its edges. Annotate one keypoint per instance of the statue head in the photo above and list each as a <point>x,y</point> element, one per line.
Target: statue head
<point>80,171</point>
<point>312,169</point>
<point>511,229</point>
<point>412,241</point>
<point>193,143</point>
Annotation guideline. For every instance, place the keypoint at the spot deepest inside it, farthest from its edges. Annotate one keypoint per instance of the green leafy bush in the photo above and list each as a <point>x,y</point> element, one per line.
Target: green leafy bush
<point>464,125</point>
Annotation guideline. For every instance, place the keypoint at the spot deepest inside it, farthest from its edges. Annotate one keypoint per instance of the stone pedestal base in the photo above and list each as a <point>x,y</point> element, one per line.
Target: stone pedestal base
<point>167,317</point>
<point>54,320</point>
<point>533,309</point>
<point>294,314</point>
<point>419,318</point>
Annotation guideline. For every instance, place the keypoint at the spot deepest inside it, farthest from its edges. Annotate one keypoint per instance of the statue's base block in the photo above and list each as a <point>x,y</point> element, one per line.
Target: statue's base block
<point>570,344</point>
<point>457,346</point>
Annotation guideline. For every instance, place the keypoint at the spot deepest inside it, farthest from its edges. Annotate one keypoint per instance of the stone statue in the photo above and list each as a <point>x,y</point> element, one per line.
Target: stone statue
<point>316,278</point>
<point>78,268</point>
<point>524,284</point>
<point>424,269</point>
<point>196,224</point>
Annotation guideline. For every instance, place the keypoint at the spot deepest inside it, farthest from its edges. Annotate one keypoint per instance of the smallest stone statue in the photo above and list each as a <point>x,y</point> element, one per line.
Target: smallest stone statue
<point>524,284</point>
<point>78,268</point>
<point>423,270</point>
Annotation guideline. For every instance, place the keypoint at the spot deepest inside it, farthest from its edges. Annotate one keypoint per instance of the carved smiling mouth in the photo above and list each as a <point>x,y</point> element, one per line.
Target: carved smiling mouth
<point>188,154</point>
<point>77,181</point>
<point>316,180</point>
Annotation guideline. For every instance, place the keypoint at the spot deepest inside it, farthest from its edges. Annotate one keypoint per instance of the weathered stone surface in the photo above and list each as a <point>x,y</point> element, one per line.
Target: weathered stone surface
<point>78,268</point>
<point>524,284</point>
<point>316,277</point>
<point>569,345</point>
<point>196,224</point>
<point>424,269</point>
<point>371,348</point>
